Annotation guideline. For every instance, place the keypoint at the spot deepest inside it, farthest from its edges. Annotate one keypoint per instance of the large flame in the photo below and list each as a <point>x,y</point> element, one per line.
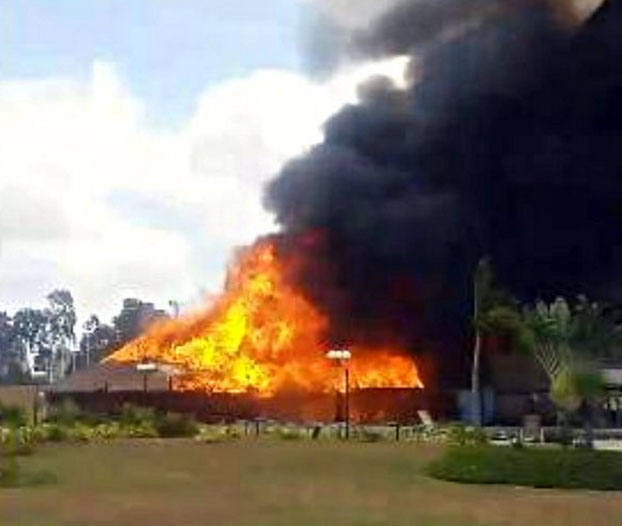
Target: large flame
<point>262,336</point>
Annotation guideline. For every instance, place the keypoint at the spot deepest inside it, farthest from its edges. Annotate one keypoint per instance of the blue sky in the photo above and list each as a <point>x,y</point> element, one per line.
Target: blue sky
<point>167,50</point>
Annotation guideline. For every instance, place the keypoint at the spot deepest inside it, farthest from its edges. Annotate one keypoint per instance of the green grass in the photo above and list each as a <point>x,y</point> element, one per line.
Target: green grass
<point>276,483</point>
<point>538,468</point>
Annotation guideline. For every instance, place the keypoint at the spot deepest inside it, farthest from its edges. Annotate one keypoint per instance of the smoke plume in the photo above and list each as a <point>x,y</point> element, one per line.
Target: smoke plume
<point>509,144</point>
<point>346,30</point>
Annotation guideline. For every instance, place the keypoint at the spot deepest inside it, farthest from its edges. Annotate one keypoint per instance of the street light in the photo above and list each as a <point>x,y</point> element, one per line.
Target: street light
<point>342,358</point>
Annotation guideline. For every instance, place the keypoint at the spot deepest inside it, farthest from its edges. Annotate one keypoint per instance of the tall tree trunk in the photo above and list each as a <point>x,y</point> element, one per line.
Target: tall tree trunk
<point>476,402</point>
<point>476,406</point>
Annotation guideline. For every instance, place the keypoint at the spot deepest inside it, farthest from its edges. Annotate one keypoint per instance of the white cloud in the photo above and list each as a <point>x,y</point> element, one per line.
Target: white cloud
<point>93,199</point>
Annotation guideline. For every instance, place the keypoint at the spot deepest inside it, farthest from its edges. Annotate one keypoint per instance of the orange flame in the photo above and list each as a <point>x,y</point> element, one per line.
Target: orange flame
<point>261,335</point>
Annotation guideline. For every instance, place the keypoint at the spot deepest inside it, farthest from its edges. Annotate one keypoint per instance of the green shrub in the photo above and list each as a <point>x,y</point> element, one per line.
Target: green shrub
<point>173,425</point>
<point>6,435</point>
<point>107,431</point>
<point>16,442</point>
<point>233,433</point>
<point>132,415</point>
<point>80,433</point>
<point>55,432</point>
<point>539,468</point>
<point>429,435</point>
<point>288,433</point>
<point>12,416</point>
<point>459,435</point>
<point>213,434</point>
<point>67,413</point>
<point>144,430</point>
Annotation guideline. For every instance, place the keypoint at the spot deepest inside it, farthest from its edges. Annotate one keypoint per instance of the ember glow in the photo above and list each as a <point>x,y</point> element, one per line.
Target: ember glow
<point>261,336</point>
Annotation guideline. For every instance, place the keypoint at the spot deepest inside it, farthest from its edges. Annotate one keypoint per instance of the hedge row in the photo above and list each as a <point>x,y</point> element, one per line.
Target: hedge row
<point>532,467</point>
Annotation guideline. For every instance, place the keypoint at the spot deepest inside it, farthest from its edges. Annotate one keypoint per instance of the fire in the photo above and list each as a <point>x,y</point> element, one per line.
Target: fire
<point>261,336</point>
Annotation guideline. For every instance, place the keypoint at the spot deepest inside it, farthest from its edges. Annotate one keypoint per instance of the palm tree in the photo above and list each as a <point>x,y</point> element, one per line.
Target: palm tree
<point>494,312</point>
<point>566,342</point>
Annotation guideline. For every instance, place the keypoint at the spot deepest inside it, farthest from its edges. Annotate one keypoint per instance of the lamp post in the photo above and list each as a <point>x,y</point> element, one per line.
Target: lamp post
<point>342,358</point>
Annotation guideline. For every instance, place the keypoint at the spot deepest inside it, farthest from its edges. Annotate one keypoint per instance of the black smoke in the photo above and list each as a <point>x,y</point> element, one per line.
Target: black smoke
<point>415,23</point>
<point>510,146</point>
<point>351,31</point>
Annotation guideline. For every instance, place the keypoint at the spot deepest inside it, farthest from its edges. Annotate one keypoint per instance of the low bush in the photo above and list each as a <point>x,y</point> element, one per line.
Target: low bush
<point>134,422</point>
<point>210,435</point>
<point>107,431</point>
<point>79,433</point>
<point>65,413</point>
<point>289,433</point>
<point>429,435</point>
<point>12,416</point>
<point>233,433</point>
<point>538,468</point>
<point>459,435</point>
<point>144,430</point>
<point>85,433</point>
<point>55,432</point>
<point>132,415</point>
<point>16,442</point>
<point>173,425</point>
<point>452,434</point>
<point>216,434</point>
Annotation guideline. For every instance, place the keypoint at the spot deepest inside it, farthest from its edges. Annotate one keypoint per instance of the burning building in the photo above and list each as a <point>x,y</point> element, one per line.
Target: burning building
<point>506,143</point>
<point>263,336</point>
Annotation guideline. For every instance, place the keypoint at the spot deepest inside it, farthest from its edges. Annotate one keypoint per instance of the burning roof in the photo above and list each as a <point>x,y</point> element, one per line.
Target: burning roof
<point>261,335</point>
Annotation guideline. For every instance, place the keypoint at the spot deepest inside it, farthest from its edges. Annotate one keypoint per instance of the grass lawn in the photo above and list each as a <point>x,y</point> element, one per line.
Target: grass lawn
<point>181,483</point>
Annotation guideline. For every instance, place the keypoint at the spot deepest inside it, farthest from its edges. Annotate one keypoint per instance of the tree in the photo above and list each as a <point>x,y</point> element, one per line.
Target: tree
<point>13,364</point>
<point>134,318</point>
<point>90,327</point>
<point>98,340</point>
<point>30,326</point>
<point>61,336</point>
<point>494,312</point>
<point>567,342</point>
<point>62,314</point>
<point>47,336</point>
<point>6,340</point>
